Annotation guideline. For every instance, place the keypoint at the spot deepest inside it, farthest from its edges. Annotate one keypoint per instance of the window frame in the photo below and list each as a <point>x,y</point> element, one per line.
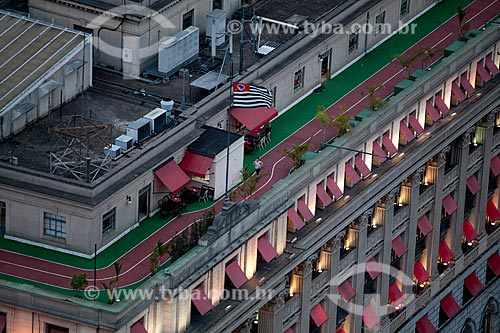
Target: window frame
<point>112,226</point>
<point>57,229</point>
<point>298,79</point>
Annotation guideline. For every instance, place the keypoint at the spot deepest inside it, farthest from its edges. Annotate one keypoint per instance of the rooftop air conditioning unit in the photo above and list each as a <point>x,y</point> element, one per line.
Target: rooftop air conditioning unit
<point>178,51</point>
<point>216,26</point>
<point>157,119</point>
<point>124,142</point>
<point>112,151</point>
<point>139,130</point>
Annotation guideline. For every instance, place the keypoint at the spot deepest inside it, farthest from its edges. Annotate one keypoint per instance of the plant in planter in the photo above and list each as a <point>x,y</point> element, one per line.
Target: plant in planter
<point>373,99</point>
<point>426,53</point>
<point>341,121</point>
<point>407,63</point>
<point>297,152</point>
<point>78,283</point>
<point>323,118</point>
<point>463,26</point>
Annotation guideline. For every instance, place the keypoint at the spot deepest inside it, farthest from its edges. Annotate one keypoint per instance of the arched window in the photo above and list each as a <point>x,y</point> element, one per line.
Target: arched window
<point>469,326</point>
<point>490,317</point>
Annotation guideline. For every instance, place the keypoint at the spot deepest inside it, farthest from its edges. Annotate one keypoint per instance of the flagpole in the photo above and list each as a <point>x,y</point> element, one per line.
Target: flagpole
<point>228,120</point>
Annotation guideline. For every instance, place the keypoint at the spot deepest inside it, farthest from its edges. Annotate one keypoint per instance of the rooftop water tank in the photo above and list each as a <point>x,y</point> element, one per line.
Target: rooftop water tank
<point>167,104</point>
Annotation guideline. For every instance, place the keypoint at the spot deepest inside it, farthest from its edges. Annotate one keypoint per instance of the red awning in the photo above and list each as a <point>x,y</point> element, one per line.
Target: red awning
<point>289,330</point>
<point>373,268</point>
<point>494,263</point>
<point>172,176</point>
<point>333,187</point>
<point>254,118</point>
<point>236,274</point>
<point>424,225</point>
<point>424,325</point>
<point>361,166</point>
<point>495,166</point>
<point>445,252</point>
<point>492,211</point>
<point>450,306</point>
<point>266,250</point>
<point>407,133</point>
<point>196,164</point>
<point>318,315</point>
<point>201,301</point>
<point>473,184</point>
<point>351,173</point>
<point>138,328</point>
<point>492,67</point>
<point>3,321</point>
<point>395,294</point>
<point>449,204</point>
<point>473,284</point>
<point>304,210</point>
<point>416,125</point>
<point>464,82</point>
<point>468,231</point>
<point>346,291</point>
<point>369,317</point>
<point>399,246</point>
<point>322,195</point>
<point>388,145</point>
<point>455,89</point>
<point>379,152</point>
<point>431,111</point>
<point>442,105</point>
<point>483,73</point>
<point>420,273</point>
<point>294,217</point>
<point>340,330</point>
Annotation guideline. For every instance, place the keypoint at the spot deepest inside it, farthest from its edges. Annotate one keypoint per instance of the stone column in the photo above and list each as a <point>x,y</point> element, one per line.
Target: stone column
<point>271,315</point>
<point>456,227</point>
<point>385,212</point>
<point>359,278</point>
<point>433,242</point>
<point>408,263</point>
<point>484,176</point>
<point>302,276</point>
<point>332,248</point>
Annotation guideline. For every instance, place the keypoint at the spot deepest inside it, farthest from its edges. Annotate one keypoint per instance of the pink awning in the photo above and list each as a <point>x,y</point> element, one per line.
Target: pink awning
<point>492,67</point>
<point>494,263</point>
<point>254,118</point>
<point>266,249</point>
<point>333,187</point>
<point>431,111</point>
<point>483,73</point>
<point>373,268</point>
<point>351,173</point>
<point>346,290</point>
<point>407,133</point>
<point>473,185</point>
<point>379,152</point>
<point>369,317</point>
<point>459,94</point>
<point>495,166</point>
<point>420,272</point>
<point>473,284</point>
<point>304,210</point>
<point>196,164</point>
<point>172,176</point>
<point>424,325</point>
<point>201,301</point>
<point>450,306</point>
<point>322,195</point>
<point>469,231</point>
<point>318,315</point>
<point>399,246</point>
<point>236,274</point>
<point>441,105</point>
<point>492,211</point>
<point>445,252</point>
<point>388,145</point>
<point>294,217</point>
<point>415,125</point>
<point>289,330</point>
<point>424,225</point>
<point>395,294</point>
<point>136,328</point>
<point>361,166</point>
<point>449,204</point>
<point>464,82</point>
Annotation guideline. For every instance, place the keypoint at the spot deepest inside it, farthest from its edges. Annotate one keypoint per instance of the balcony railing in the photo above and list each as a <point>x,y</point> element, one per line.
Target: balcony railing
<point>319,284</point>
<point>401,217</point>
<point>349,259</point>
<point>496,142</point>
<point>293,306</point>
<point>474,158</point>
<point>450,178</point>
<point>446,277</point>
<point>426,198</point>
<point>375,237</point>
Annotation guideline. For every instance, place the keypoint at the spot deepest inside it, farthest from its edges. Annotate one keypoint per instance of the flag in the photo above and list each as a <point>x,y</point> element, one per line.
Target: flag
<point>250,96</point>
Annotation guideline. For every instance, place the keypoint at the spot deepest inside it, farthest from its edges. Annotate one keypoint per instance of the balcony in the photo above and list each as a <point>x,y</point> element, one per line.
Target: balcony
<point>425,199</point>
<point>400,218</point>
<point>475,158</point>
<point>450,178</point>
<point>375,237</point>
<point>292,307</point>
<point>320,284</point>
<point>350,257</point>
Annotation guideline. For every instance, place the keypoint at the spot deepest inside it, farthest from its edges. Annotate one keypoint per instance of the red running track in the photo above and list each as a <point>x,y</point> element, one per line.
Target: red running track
<point>136,264</point>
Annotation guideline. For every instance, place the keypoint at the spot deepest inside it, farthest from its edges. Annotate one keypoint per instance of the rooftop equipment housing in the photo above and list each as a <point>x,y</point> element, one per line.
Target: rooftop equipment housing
<point>139,130</point>
<point>157,119</point>
<point>178,51</point>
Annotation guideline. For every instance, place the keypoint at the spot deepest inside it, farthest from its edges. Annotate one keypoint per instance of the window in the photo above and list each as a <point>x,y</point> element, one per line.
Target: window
<point>3,319</point>
<point>488,324</point>
<point>353,41</point>
<point>54,225</point>
<point>379,23</point>
<point>216,4</point>
<point>187,19</point>
<point>405,8</point>
<point>108,221</point>
<point>298,79</point>
<point>49,328</point>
